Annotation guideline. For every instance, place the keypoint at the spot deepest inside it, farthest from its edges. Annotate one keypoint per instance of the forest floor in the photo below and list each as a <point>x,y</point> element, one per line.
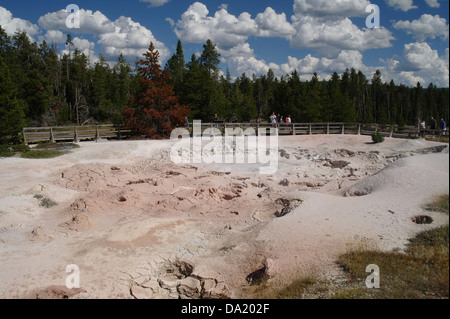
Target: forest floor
<point>139,226</point>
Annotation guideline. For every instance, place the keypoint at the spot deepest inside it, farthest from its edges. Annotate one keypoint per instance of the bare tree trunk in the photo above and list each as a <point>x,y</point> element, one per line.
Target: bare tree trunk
<point>77,103</point>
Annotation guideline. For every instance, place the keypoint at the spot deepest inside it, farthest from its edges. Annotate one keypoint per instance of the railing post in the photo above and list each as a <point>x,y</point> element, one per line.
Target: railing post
<point>75,138</point>
<point>310,129</point>
<point>343,128</point>
<point>52,137</point>
<point>97,133</point>
<point>359,129</point>
<point>328,128</point>
<point>293,129</point>
<point>24,137</point>
<point>392,131</point>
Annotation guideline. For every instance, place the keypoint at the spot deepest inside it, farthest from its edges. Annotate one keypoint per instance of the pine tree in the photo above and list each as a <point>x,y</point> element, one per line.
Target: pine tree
<point>155,111</point>
<point>196,90</point>
<point>5,43</point>
<point>176,66</point>
<point>247,109</point>
<point>120,87</point>
<point>314,110</point>
<point>99,89</point>
<point>78,86</point>
<point>210,58</point>
<point>12,115</point>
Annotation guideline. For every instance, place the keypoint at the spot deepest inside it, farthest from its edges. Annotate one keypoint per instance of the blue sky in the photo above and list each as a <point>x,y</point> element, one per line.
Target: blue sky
<point>309,36</point>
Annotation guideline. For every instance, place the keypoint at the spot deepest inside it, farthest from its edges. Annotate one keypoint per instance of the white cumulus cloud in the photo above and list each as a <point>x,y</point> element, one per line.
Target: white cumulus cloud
<point>122,36</point>
<point>272,24</point>
<point>90,22</point>
<point>229,31</point>
<point>54,36</point>
<point>403,5</point>
<point>331,37</point>
<point>155,3</point>
<point>433,3</point>
<point>331,8</point>
<point>419,63</point>
<point>427,26</point>
<point>130,39</point>
<point>12,25</point>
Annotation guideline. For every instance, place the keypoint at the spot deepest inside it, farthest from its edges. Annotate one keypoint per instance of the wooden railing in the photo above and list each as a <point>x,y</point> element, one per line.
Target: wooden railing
<point>73,133</point>
<point>330,128</point>
<point>96,132</point>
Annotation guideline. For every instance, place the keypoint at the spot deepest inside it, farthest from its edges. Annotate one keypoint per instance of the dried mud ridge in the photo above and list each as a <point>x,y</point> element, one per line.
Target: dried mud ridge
<point>238,206</point>
<point>178,279</point>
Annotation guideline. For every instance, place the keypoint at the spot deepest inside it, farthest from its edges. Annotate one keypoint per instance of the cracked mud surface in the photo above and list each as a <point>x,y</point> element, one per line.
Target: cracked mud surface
<point>139,226</point>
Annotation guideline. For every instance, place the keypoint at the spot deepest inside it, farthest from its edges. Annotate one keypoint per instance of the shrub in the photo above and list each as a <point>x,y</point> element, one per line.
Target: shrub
<point>377,137</point>
<point>47,202</point>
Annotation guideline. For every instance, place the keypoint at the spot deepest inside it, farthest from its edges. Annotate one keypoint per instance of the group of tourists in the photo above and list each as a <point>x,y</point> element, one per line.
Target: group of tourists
<point>432,125</point>
<point>274,119</point>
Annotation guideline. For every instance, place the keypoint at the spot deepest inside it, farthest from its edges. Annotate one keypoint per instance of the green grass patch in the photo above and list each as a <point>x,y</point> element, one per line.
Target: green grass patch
<point>56,146</point>
<point>6,151</point>
<point>41,151</point>
<point>12,150</point>
<point>441,139</point>
<point>351,294</point>
<point>421,272</point>
<point>439,204</point>
<point>21,148</point>
<point>292,287</point>
<point>295,290</point>
<point>41,154</point>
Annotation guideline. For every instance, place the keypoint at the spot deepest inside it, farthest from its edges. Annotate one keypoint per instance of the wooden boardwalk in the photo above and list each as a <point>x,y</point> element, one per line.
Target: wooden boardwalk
<point>73,133</point>
<point>95,132</point>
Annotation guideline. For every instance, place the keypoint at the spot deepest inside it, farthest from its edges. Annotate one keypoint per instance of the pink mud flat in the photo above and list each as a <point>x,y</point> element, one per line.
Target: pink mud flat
<point>139,226</point>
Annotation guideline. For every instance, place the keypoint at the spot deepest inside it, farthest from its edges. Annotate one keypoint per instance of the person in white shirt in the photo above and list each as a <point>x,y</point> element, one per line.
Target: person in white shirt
<point>288,120</point>
<point>273,119</point>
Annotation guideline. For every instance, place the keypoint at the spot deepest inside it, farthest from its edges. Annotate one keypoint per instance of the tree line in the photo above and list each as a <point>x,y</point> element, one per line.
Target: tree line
<point>41,87</point>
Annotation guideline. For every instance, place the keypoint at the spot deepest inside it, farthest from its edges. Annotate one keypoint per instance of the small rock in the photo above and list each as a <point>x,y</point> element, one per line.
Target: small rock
<point>220,292</point>
<point>204,273</point>
<point>166,283</point>
<point>339,164</point>
<point>152,284</point>
<point>39,233</point>
<point>190,287</point>
<point>270,267</point>
<point>58,292</point>
<point>139,292</point>
<point>208,285</point>
<point>140,280</point>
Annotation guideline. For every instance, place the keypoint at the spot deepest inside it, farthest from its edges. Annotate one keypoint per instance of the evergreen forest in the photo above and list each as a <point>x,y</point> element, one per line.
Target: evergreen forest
<point>39,86</point>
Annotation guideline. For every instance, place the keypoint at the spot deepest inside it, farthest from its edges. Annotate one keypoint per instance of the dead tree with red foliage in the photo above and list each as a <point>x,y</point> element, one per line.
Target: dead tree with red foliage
<point>155,110</point>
